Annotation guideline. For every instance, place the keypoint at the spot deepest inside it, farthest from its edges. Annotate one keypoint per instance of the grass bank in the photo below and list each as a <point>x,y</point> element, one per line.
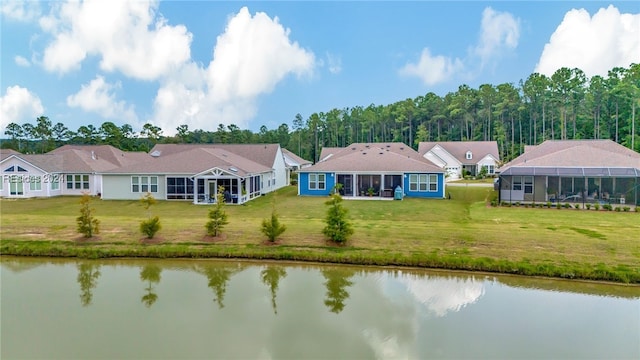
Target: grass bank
<point>461,233</point>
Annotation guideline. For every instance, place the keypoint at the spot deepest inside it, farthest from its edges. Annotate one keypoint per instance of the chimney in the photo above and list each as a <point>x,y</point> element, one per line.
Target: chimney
<point>93,155</point>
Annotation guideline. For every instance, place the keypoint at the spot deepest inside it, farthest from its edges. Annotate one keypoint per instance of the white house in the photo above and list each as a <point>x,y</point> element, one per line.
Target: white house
<point>460,157</point>
<point>169,172</point>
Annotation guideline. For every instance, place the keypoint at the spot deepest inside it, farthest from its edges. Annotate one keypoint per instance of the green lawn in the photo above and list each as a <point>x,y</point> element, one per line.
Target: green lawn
<point>459,233</point>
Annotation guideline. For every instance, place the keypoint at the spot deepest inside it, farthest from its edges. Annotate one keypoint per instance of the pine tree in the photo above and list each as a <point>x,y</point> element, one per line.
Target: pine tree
<point>217,215</point>
<point>152,225</point>
<point>272,227</point>
<point>88,225</point>
<point>338,228</point>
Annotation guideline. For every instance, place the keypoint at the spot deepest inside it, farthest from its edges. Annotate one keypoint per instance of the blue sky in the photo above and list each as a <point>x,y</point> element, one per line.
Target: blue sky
<point>203,63</point>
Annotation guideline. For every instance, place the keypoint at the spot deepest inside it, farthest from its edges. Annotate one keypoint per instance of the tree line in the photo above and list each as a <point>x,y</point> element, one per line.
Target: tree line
<point>565,105</point>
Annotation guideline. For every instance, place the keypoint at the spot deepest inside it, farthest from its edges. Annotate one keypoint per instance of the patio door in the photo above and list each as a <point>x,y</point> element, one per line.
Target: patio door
<point>212,186</point>
<point>347,184</point>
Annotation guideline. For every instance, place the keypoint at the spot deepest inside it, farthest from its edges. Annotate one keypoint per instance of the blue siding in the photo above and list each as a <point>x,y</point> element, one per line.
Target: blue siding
<point>438,194</point>
<point>303,184</point>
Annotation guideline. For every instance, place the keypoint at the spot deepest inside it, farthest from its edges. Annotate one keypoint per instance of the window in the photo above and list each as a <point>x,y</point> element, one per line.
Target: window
<point>182,188</point>
<point>517,183</point>
<point>423,182</point>
<point>35,183</point>
<point>77,181</point>
<point>433,182</point>
<point>144,184</point>
<point>15,168</point>
<point>16,185</point>
<point>317,182</point>
<point>55,182</point>
<point>469,155</point>
<point>490,169</point>
<point>528,184</point>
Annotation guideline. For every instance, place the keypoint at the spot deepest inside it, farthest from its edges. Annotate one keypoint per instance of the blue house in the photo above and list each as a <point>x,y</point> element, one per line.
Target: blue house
<point>372,170</point>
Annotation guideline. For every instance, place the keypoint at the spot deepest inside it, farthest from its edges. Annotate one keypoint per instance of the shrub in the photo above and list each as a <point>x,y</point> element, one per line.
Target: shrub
<point>596,206</point>
<point>88,225</point>
<point>577,206</point>
<point>607,207</point>
<point>549,204</point>
<point>626,209</point>
<point>566,205</point>
<point>272,227</point>
<point>588,206</point>
<point>150,226</point>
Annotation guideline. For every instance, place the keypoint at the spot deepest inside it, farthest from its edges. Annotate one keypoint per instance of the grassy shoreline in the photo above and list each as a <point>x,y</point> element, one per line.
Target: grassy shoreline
<point>458,234</point>
<point>336,255</point>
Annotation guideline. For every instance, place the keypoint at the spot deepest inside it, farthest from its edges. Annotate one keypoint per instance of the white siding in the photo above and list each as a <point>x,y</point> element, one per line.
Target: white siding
<point>118,187</point>
<point>23,178</point>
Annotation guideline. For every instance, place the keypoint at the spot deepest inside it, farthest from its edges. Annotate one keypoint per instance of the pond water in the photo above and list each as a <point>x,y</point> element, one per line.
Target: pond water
<point>155,309</point>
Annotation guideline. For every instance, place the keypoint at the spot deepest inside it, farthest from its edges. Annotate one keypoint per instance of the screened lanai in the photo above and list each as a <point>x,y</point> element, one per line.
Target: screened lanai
<point>604,185</point>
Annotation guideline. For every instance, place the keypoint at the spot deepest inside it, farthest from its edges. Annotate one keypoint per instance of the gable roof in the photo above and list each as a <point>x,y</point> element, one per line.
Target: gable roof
<point>194,160</point>
<point>81,159</point>
<point>5,153</point>
<point>264,154</point>
<point>292,159</point>
<point>325,152</point>
<point>458,149</point>
<point>378,157</point>
<point>576,154</point>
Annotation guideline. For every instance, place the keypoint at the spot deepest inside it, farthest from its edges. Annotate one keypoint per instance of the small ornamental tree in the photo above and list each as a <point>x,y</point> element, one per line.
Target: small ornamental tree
<point>152,225</point>
<point>217,215</point>
<point>88,225</point>
<point>272,227</point>
<point>338,228</point>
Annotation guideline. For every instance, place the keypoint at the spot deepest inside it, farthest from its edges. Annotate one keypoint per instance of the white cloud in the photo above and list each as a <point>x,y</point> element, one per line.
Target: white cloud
<point>441,295</point>
<point>19,105</point>
<point>335,63</point>
<point>249,59</point>
<point>20,10</point>
<point>499,31</point>
<point>593,44</point>
<point>98,96</point>
<point>128,36</point>
<point>21,61</point>
<point>432,69</point>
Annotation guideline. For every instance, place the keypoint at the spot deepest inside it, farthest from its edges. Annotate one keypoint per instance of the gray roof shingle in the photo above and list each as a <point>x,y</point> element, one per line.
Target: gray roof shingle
<point>375,157</point>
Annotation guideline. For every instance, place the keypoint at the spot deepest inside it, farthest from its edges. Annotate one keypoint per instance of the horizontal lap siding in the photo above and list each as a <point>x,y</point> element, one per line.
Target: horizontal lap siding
<point>438,194</point>
<point>303,185</point>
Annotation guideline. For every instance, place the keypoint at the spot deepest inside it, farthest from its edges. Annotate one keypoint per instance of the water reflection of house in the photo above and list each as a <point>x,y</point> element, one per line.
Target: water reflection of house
<point>578,171</point>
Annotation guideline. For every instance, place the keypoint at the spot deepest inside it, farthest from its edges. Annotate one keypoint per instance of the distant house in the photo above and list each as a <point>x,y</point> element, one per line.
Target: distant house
<point>372,169</point>
<point>68,170</point>
<point>194,172</point>
<point>294,162</point>
<point>461,157</point>
<point>582,171</point>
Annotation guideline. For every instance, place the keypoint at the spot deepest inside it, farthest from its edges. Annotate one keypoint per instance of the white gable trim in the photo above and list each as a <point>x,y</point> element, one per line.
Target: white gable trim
<point>26,162</point>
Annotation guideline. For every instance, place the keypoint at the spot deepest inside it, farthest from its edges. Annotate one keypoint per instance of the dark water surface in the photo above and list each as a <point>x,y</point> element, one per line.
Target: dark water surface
<point>155,309</point>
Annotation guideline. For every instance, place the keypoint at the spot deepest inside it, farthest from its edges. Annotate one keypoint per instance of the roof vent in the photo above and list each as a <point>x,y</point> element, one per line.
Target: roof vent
<point>233,169</point>
<point>93,155</point>
<point>156,153</point>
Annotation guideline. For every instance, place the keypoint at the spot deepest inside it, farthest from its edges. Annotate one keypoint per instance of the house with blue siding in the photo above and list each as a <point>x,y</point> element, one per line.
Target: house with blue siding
<point>372,170</point>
